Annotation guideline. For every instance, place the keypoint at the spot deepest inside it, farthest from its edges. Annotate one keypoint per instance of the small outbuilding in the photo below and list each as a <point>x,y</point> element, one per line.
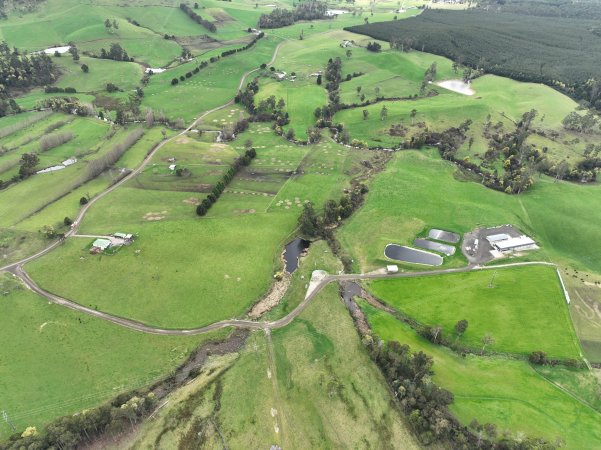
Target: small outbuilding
<point>392,269</point>
<point>100,245</point>
<point>125,236</point>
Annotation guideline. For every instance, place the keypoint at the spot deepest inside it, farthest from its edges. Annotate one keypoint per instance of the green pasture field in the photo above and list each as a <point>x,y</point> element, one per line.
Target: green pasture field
<point>22,199</point>
<point>524,311</point>
<point>301,100</point>
<point>84,24</point>
<point>494,95</point>
<point>137,152</point>
<point>62,362</point>
<point>187,409</point>
<point>179,273</point>
<point>331,394</point>
<point>125,75</point>
<point>17,244</point>
<point>34,97</point>
<point>222,117</point>
<point>585,307</point>
<point>324,393</point>
<point>240,247</point>
<point>506,392</point>
<point>211,87</point>
<point>418,191</point>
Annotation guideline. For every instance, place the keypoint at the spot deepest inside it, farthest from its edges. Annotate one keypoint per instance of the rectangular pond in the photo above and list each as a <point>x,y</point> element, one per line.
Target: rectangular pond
<point>412,255</point>
<point>435,246</point>
<point>442,235</point>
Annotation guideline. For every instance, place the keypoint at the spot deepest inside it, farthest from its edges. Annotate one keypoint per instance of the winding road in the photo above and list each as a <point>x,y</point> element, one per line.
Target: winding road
<point>241,323</point>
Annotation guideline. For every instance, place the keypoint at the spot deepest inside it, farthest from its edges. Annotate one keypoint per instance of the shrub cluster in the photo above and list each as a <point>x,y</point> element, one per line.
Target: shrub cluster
<point>51,141</point>
<point>278,18</point>
<point>218,189</point>
<point>115,52</point>
<point>55,89</point>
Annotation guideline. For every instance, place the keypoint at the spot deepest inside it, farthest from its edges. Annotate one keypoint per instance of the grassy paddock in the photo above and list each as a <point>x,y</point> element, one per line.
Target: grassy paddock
<point>506,392</point>
<point>524,310</point>
<point>99,360</point>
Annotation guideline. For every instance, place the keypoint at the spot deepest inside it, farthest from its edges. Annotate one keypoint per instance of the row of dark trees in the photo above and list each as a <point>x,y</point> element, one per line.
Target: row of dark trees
<point>218,189</point>
<point>70,432</point>
<point>309,10</point>
<point>197,18</point>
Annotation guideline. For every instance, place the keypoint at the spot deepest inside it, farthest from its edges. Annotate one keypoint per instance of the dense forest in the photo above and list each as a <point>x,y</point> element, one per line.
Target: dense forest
<point>561,52</point>
<point>19,71</point>
<point>587,9</point>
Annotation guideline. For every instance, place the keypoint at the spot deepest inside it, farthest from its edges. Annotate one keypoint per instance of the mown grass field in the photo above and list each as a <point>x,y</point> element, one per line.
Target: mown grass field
<point>125,75</point>
<point>524,311</point>
<point>506,392</point>
<point>60,362</point>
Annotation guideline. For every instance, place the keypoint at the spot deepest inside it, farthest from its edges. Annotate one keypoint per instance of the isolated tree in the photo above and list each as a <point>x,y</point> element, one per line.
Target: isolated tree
<point>115,24</point>
<point>358,88</point>
<point>28,163</point>
<point>460,327</point>
<point>120,117</point>
<point>290,134</point>
<point>74,53</point>
<point>83,200</point>
<point>383,113</point>
<point>149,117</point>
<point>67,221</point>
<point>248,144</point>
<point>365,114</point>
<point>349,53</point>
<point>48,231</point>
<point>413,114</point>
<point>435,333</point>
<point>470,143</point>
<point>108,25</point>
<point>561,170</point>
<point>85,68</point>
<point>308,221</point>
<point>487,340</point>
<point>377,91</point>
<point>538,358</point>
<point>319,80</point>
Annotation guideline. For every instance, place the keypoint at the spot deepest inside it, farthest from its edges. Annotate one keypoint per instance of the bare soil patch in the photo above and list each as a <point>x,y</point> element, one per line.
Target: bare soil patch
<point>272,298</point>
